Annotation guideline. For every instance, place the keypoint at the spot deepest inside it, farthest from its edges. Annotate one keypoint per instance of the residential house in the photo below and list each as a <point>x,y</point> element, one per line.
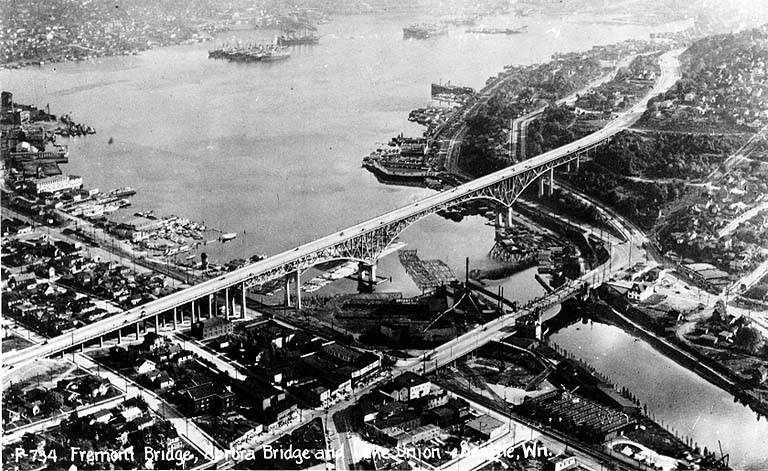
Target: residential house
<point>640,292</point>
<point>145,366</point>
<point>406,387</point>
<point>103,416</point>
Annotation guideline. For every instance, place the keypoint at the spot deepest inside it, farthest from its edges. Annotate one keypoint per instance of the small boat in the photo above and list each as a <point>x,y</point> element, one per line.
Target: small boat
<point>227,237</point>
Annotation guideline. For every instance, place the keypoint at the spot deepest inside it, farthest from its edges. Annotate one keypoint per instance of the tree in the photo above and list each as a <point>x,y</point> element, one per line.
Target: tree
<point>748,339</point>
<point>52,401</point>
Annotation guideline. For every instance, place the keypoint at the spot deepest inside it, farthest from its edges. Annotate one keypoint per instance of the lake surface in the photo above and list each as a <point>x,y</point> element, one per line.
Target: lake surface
<point>683,400</point>
<point>272,152</point>
<point>274,149</point>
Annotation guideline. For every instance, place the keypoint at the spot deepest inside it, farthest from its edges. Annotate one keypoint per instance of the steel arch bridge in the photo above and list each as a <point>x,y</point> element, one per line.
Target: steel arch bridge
<point>364,242</point>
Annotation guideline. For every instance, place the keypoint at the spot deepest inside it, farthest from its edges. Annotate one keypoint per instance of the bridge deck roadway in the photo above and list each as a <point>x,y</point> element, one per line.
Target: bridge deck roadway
<point>669,75</point>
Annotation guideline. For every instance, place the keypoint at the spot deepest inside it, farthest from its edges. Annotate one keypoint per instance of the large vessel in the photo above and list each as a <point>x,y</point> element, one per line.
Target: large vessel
<point>277,54</point>
<point>423,31</point>
<point>122,192</point>
<point>453,94</point>
<point>448,89</point>
<point>521,29</point>
<point>251,53</point>
<point>296,38</point>
<point>461,20</point>
<point>402,158</point>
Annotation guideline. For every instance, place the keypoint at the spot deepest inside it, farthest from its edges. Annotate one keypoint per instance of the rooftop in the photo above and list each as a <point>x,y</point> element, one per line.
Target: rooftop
<point>484,423</point>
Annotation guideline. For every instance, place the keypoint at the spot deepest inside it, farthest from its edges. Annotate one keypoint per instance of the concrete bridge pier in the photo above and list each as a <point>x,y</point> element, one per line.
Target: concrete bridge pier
<point>541,187</point>
<point>551,188</point>
<point>192,312</point>
<point>210,306</point>
<point>366,276</point>
<point>298,289</point>
<point>101,341</point>
<point>175,320</point>
<point>578,159</point>
<point>508,218</point>
<point>226,302</point>
<point>119,336</point>
<point>138,330</point>
<point>287,291</point>
<point>242,300</point>
<point>157,324</point>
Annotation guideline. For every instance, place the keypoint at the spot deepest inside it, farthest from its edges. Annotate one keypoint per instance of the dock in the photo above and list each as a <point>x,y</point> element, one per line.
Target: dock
<point>427,274</point>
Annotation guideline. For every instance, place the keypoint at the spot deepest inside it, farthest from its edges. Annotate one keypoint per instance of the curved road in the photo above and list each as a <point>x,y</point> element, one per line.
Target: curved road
<point>669,75</point>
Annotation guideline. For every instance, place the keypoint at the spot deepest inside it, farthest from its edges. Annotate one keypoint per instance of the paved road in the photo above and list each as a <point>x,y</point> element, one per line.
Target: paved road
<point>187,429</point>
<point>294,258</point>
<point>439,356</point>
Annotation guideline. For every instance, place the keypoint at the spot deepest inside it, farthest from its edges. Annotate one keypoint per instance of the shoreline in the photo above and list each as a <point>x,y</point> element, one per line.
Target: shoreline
<point>703,367</point>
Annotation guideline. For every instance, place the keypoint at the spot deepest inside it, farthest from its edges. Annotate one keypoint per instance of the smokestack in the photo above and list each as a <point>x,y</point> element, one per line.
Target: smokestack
<point>466,274</point>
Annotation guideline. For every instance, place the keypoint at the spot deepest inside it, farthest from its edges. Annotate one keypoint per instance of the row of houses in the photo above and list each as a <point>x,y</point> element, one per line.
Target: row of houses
<point>30,405</point>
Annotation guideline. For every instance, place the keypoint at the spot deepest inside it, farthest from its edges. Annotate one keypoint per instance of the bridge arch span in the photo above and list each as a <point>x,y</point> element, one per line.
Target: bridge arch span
<point>367,246</point>
<point>503,195</point>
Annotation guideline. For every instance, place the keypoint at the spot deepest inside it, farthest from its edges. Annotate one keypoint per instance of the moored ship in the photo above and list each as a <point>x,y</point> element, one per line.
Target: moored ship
<point>508,31</point>
<point>294,38</point>
<point>276,55</point>
<point>448,89</point>
<point>423,31</point>
<point>404,158</point>
<point>251,53</point>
